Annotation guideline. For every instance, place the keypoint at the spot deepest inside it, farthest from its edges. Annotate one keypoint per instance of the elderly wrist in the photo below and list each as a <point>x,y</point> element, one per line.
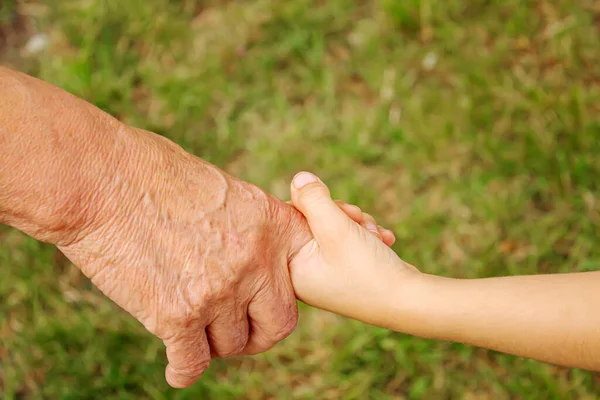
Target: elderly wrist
<point>126,169</point>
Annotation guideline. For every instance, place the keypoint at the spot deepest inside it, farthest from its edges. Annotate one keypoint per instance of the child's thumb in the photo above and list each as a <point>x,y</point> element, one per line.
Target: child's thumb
<point>312,197</point>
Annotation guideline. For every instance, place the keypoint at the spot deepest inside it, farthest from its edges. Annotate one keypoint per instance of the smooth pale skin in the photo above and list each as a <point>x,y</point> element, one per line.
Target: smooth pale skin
<point>196,255</point>
<point>346,270</point>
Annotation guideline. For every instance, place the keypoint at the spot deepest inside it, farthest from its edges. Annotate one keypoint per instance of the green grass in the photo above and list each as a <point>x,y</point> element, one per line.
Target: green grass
<point>470,128</point>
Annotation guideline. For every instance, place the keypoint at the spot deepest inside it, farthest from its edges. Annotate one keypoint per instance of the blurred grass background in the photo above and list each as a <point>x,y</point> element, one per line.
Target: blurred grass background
<point>471,128</point>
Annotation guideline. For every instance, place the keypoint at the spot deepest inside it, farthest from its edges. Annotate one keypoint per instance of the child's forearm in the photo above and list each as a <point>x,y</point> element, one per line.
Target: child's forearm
<point>349,271</point>
<point>551,318</point>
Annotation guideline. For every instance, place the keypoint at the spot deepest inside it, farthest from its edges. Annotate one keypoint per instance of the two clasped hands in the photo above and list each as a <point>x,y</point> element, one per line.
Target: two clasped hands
<point>213,265</point>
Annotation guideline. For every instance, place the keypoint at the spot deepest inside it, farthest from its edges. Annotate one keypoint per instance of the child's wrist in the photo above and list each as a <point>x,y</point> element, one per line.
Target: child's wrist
<point>428,307</point>
<point>409,299</point>
<point>401,291</point>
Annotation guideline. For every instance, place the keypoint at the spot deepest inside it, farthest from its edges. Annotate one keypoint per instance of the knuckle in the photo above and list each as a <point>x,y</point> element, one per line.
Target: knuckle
<point>259,345</point>
<point>181,317</point>
<point>286,328</point>
<point>240,343</point>
<point>201,294</point>
<point>194,301</point>
<point>235,350</point>
<point>192,368</point>
<point>263,342</point>
<point>186,359</point>
<point>233,346</point>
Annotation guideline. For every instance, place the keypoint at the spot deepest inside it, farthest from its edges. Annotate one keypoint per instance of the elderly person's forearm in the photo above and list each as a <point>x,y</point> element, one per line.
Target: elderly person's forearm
<point>56,153</point>
<point>196,255</point>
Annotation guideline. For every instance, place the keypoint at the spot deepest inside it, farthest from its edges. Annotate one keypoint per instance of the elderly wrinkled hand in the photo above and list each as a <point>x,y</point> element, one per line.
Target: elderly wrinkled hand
<point>197,256</point>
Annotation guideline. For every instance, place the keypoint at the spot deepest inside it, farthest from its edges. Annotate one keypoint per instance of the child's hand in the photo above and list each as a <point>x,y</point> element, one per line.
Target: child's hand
<point>348,265</point>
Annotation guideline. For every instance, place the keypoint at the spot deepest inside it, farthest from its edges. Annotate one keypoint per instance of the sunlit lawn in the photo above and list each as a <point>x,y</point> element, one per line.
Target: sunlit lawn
<point>470,128</point>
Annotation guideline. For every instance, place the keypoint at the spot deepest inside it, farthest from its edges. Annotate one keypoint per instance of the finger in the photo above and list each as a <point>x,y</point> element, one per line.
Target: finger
<point>313,199</point>
<point>228,333</point>
<point>189,357</point>
<point>351,211</point>
<point>370,225</point>
<point>388,236</point>
<point>273,316</point>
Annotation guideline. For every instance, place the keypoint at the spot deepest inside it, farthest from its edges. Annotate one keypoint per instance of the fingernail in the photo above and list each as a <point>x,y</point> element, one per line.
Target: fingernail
<point>303,179</point>
<point>372,227</point>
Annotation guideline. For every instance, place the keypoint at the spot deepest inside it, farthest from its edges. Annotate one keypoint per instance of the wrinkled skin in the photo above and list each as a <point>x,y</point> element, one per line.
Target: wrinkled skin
<point>197,256</point>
